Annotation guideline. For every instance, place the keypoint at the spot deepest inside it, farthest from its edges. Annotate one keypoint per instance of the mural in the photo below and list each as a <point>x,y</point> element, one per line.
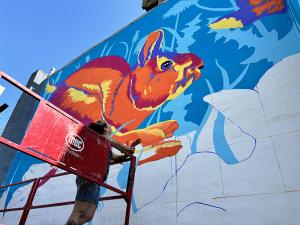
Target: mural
<point>155,81</point>
<point>248,12</point>
<point>108,88</point>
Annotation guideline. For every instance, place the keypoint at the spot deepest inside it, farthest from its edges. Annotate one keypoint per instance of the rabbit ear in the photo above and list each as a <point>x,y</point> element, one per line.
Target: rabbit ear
<point>151,47</point>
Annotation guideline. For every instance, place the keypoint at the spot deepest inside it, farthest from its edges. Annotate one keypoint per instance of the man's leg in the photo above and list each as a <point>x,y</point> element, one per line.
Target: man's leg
<point>82,213</point>
<point>86,202</point>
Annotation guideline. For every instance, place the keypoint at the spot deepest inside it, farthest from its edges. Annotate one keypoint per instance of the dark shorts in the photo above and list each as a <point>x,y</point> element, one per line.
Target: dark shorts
<point>87,191</point>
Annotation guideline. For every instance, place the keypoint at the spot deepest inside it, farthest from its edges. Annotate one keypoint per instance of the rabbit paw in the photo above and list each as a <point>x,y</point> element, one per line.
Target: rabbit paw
<point>151,135</point>
<point>161,150</point>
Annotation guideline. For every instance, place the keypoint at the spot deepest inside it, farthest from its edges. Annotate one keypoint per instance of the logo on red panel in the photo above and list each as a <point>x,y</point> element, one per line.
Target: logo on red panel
<point>74,142</point>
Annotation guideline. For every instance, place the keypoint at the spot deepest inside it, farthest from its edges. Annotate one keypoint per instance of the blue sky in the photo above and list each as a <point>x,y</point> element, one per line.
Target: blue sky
<point>39,34</point>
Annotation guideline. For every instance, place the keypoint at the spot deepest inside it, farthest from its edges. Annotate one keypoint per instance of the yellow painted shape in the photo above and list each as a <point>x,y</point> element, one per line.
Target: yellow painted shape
<point>50,88</point>
<point>227,23</point>
<point>180,90</point>
<point>91,87</point>
<point>161,145</point>
<point>80,96</point>
<point>180,70</point>
<point>106,87</point>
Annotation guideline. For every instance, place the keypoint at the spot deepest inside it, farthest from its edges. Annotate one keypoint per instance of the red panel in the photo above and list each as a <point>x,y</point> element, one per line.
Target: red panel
<point>55,137</point>
<point>67,141</point>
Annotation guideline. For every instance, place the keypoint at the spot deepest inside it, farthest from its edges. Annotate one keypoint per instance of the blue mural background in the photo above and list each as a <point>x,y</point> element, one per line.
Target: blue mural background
<point>233,59</point>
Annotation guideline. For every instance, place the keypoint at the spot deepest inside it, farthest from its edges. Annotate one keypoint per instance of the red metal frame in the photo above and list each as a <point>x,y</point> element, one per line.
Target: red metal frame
<point>60,160</point>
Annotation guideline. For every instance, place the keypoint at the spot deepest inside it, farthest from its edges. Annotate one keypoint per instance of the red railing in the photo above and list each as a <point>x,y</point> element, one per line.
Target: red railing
<point>72,163</point>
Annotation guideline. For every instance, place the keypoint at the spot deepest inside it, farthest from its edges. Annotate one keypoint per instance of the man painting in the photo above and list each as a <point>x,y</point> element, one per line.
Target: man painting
<point>87,196</point>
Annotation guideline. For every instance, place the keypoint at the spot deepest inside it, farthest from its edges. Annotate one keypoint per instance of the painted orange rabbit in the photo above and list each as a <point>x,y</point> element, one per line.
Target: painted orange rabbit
<point>107,88</point>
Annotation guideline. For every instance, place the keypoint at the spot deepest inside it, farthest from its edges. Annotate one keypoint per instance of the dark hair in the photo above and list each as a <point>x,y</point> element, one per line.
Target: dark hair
<point>99,126</point>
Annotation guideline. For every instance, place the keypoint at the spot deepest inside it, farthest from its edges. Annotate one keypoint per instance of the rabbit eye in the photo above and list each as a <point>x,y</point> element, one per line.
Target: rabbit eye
<point>166,65</point>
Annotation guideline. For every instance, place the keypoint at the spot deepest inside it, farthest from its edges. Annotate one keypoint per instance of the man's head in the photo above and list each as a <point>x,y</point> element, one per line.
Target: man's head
<point>101,127</point>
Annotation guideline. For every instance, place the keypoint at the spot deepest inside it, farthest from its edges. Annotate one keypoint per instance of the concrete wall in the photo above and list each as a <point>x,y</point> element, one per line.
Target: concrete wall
<point>18,121</point>
<point>217,149</point>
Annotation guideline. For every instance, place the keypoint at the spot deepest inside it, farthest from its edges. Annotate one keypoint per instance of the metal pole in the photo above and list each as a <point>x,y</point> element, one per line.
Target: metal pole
<point>28,204</point>
<point>129,189</point>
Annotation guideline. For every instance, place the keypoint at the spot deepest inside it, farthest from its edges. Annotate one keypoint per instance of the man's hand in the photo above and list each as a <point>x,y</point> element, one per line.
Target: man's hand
<point>135,143</point>
<point>131,150</point>
<point>124,148</point>
<point>118,158</point>
<point>132,146</point>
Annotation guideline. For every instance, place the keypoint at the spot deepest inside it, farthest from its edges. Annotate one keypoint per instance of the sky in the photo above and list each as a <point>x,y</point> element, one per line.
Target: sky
<point>37,34</point>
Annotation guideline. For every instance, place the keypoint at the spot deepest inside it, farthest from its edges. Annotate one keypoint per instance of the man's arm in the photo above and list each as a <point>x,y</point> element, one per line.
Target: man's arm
<point>122,148</point>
